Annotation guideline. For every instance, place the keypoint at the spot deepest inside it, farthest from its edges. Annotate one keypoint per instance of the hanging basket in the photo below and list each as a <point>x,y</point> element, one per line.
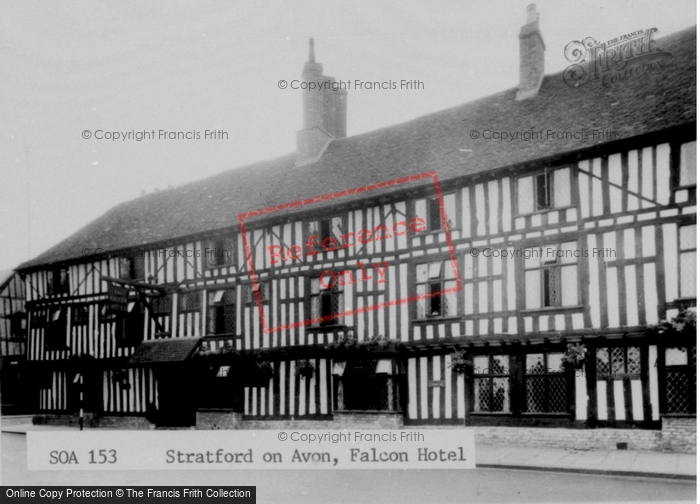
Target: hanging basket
<point>305,368</point>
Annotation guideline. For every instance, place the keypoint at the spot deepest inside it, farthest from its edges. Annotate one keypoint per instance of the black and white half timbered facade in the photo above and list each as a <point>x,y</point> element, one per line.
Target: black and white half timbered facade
<point>457,303</point>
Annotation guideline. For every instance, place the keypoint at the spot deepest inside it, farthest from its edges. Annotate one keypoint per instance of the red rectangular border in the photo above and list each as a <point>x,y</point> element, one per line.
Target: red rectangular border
<point>340,194</point>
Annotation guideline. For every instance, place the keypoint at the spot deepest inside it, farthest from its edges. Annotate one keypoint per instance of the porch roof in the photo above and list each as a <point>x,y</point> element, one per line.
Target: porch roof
<point>164,350</point>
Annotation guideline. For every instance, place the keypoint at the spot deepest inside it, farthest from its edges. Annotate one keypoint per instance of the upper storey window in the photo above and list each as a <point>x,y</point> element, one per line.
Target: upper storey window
<point>688,168</point>
<point>57,281</point>
<point>131,268</point>
<point>428,209</point>
<point>542,191</point>
<point>326,235</point>
<point>551,276</point>
<point>218,253</point>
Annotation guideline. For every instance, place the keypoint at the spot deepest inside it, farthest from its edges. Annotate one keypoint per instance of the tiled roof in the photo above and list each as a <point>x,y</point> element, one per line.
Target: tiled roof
<point>645,103</point>
<point>164,350</point>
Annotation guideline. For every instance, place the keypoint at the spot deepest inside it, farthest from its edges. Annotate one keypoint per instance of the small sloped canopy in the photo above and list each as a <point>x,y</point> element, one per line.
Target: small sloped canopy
<point>165,350</point>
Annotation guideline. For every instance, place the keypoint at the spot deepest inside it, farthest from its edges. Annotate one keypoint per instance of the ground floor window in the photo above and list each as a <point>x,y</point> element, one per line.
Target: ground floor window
<point>492,383</point>
<point>681,379</point>
<point>545,383</point>
<point>369,385</point>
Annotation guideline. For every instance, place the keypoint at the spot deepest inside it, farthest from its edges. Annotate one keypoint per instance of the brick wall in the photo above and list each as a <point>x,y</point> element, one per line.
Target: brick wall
<point>574,439</point>
<point>679,434</point>
<point>207,420</point>
<point>93,421</point>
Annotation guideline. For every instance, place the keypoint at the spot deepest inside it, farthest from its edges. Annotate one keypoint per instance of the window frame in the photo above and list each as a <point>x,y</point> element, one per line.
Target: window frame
<point>57,281</point>
<point>545,268</point>
<point>611,374</point>
<point>547,376</point>
<point>157,305</point>
<point>80,315</point>
<point>432,283</point>
<point>689,369</point>
<point>189,302</point>
<point>131,325</point>
<point>213,261</point>
<point>213,308</point>
<point>681,251</point>
<point>684,184</point>
<point>250,288</point>
<point>318,247</point>
<point>490,376</point>
<point>433,223</point>
<point>332,291</point>
<point>56,331</point>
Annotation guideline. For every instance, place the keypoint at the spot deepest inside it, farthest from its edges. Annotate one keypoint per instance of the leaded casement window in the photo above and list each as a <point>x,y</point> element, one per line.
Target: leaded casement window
<point>56,333</point>
<point>688,165</point>
<point>492,384</point>
<point>545,383</point>
<point>162,305</point>
<point>80,315</point>
<point>483,282</point>
<point>221,312</point>
<point>219,253</point>
<point>681,379</point>
<point>687,250</point>
<point>616,362</point>
<point>543,191</point>
<point>57,281</point>
<point>251,290</point>
<point>18,326</point>
<point>326,302</point>
<point>436,290</point>
<point>325,235</point>
<point>428,209</point>
<point>551,276</point>
<point>190,302</point>
<point>131,325</point>
<point>132,268</point>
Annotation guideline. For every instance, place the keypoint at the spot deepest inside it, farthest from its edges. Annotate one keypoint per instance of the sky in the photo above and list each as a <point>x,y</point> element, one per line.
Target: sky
<point>67,67</point>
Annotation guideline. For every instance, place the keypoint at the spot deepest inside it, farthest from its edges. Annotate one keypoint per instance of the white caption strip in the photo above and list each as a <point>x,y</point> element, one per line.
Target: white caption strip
<point>245,449</point>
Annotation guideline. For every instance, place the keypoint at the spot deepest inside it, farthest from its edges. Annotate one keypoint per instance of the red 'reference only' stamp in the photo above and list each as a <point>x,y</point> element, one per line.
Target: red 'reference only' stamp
<point>295,253</point>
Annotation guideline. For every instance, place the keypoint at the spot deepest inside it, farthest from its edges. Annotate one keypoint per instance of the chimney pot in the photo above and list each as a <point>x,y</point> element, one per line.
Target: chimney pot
<point>531,56</point>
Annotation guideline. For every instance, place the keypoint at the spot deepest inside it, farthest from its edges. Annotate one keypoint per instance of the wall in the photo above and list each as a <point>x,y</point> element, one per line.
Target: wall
<point>679,434</point>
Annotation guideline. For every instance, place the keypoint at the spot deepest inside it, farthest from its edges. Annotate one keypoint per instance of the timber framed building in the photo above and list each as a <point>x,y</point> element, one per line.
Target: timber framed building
<point>166,328</point>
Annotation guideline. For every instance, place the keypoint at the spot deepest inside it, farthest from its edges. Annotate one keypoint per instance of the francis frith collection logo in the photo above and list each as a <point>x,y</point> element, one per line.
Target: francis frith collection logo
<point>622,58</point>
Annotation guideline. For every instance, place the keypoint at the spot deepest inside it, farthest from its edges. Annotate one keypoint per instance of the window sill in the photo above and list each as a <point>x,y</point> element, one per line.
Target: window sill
<point>451,318</point>
<point>333,327</point>
<point>491,413</point>
<point>547,415</point>
<point>545,210</point>
<point>548,309</point>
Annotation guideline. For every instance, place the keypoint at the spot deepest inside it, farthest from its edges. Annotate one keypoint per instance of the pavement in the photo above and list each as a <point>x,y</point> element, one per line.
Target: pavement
<point>647,464</point>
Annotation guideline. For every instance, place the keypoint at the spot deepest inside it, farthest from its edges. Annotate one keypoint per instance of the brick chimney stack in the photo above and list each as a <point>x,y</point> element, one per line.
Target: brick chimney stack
<point>531,56</point>
<point>325,111</point>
